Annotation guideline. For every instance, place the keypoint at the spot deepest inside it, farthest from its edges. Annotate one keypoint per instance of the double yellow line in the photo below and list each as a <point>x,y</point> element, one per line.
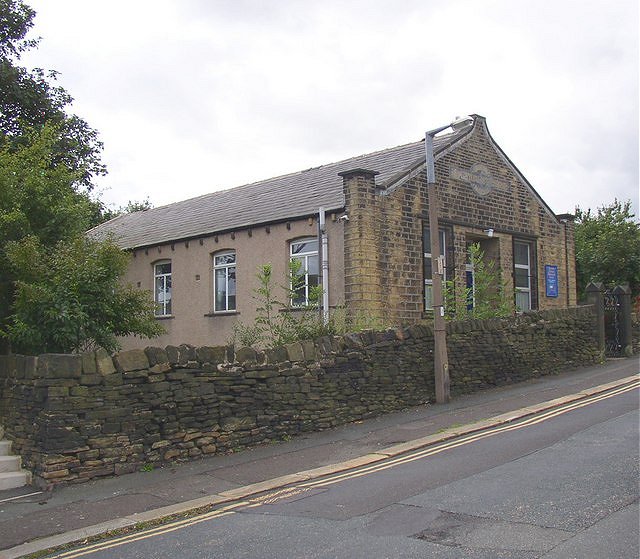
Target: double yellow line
<point>326,481</point>
<point>466,439</point>
<point>164,529</point>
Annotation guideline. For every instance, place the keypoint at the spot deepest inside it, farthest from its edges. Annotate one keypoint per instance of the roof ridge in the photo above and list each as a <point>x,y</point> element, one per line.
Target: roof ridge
<point>377,152</point>
<point>291,174</point>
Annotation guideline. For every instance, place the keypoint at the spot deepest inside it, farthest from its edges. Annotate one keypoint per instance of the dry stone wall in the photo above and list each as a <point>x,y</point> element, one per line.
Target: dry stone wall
<point>78,417</point>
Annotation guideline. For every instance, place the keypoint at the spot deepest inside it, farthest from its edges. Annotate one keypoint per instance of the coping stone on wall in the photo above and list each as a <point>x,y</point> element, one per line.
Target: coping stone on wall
<point>338,343</point>
<point>30,366</point>
<point>388,335</point>
<point>418,331</point>
<point>173,353</point>
<point>89,363</point>
<point>309,350</point>
<point>323,346</point>
<point>276,355</point>
<point>246,355</point>
<point>183,355</point>
<point>187,354</point>
<point>104,363</point>
<point>23,366</point>
<point>131,360</point>
<point>58,365</point>
<point>368,337</point>
<point>156,355</point>
<point>353,341</point>
<point>211,354</point>
<point>295,352</point>
<point>8,366</point>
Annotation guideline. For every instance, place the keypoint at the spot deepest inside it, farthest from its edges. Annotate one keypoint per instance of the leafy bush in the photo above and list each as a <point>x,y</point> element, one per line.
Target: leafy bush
<point>490,297</point>
<point>608,246</point>
<point>279,321</point>
<point>69,298</point>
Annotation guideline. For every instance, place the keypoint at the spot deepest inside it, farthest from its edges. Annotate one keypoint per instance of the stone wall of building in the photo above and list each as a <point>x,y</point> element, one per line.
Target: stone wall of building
<point>363,292</point>
<point>73,418</point>
<point>384,236</point>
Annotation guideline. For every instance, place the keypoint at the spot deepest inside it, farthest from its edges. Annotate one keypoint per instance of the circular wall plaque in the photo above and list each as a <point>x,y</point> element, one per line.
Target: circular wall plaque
<point>481,179</point>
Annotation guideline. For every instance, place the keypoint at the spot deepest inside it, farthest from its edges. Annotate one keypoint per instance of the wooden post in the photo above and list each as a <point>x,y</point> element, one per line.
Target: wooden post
<point>440,357</point>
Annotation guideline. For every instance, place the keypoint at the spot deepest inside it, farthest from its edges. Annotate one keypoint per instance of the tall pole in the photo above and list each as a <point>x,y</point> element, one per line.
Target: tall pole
<point>440,358</point>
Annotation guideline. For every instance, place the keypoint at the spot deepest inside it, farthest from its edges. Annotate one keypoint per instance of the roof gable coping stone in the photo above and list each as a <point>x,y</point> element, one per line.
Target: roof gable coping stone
<point>443,145</point>
<point>358,171</point>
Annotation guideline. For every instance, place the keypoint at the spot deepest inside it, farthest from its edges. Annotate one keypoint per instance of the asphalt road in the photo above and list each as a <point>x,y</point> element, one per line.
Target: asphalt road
<point>562,484</point>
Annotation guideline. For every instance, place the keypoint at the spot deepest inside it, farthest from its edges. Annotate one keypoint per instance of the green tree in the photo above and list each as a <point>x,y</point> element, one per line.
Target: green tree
<point>608,246</point>
<point>49,159</point>
<point>131,207</point>
<point>70,299</point>
<point>29,99</point>
<point>36,199</point>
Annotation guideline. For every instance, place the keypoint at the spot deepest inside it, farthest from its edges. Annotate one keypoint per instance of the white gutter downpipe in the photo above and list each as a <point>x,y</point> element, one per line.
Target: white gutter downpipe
<point>324,259</point>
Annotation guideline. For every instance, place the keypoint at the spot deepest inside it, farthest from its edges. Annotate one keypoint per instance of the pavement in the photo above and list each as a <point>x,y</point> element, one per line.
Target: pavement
<point>32,521</point>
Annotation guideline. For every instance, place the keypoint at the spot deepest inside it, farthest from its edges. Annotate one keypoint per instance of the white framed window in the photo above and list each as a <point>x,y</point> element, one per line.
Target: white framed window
<point>224,281</point>
<point>522,275</point>
<point>428,266</point>
<point>305,251</point>
<point>162,287</point>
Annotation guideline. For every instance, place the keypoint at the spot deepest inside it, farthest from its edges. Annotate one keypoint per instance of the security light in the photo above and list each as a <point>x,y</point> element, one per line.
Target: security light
<point>462,123</point>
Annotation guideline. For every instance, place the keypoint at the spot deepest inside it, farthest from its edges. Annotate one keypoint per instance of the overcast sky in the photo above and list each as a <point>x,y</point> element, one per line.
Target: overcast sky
<point>192,96</point>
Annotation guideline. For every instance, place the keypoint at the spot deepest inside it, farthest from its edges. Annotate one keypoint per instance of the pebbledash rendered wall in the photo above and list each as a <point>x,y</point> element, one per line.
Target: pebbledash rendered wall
<point>73,418</point>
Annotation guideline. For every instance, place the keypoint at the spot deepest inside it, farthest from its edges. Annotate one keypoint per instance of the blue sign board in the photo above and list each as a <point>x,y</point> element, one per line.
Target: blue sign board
<point>551,280</point>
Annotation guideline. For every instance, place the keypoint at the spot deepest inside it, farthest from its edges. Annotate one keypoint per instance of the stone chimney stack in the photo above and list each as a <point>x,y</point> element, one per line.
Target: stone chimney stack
<point>362,250</point>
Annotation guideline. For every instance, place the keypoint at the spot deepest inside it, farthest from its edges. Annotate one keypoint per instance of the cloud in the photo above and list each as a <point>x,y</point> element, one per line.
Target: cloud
<point>199,95</point>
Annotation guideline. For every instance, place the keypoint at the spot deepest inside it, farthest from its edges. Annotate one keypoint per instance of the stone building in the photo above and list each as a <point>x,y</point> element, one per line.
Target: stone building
<point>199,257</point>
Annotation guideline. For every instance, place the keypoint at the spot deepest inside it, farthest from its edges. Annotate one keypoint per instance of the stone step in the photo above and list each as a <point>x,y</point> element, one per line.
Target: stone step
<point>9,464</point>
<point>11,480</point>
<point>5,448</point>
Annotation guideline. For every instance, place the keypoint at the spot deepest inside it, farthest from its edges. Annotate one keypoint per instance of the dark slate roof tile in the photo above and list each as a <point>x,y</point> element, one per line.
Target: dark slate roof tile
<point>271,200</point>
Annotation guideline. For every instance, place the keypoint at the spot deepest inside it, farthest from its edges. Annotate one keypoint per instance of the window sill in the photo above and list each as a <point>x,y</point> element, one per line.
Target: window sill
<point>222,313</point>
<point>164,316</point>
<point>299,309</point>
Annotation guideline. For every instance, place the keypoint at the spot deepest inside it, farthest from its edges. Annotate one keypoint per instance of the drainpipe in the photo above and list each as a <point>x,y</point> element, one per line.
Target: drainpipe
<point>324,259</point>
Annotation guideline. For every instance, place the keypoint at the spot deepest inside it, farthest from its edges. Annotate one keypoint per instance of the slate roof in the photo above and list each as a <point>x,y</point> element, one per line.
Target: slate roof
<point>277,199</point>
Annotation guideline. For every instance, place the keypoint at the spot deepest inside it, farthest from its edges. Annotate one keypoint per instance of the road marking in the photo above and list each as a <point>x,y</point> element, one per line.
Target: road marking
<point>277,495</point>
<point>164,529</point>
<point>465,439</point>
<point>20,497</point>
